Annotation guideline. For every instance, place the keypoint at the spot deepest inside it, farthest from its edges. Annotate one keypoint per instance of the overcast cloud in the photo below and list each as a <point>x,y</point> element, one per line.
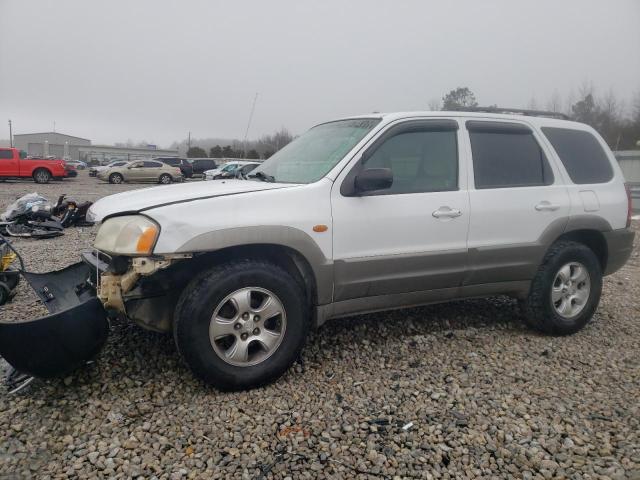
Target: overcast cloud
<point>117,70</point>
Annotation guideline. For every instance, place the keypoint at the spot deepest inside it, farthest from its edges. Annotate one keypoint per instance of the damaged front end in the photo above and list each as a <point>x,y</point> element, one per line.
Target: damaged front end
<point>80,299</point>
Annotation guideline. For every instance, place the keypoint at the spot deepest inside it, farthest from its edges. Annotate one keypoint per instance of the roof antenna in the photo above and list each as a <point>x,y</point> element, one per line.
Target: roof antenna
<point>246,132</point>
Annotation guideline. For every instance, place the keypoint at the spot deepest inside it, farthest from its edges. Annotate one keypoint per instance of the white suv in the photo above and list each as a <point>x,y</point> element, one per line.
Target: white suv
<point>356,215</point>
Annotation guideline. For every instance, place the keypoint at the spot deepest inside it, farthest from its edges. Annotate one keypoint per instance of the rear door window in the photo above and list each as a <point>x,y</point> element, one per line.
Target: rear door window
<point>581,154</point>
<point>507,155</point>
<point>152,164</point>
<point>5,154</point>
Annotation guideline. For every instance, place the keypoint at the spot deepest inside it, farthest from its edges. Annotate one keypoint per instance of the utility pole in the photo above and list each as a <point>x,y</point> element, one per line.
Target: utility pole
<point>10,135</point>
<point>189,143</point>
<point>54,126</point>
<point>246,132</point>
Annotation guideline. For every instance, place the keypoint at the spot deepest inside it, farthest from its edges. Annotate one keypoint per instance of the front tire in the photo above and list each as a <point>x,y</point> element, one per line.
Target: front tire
<point>566,290</point>
<point>242,324</point>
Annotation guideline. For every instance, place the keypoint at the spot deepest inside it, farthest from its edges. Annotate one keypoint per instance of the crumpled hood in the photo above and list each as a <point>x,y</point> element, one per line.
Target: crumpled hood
<point>148,198</point>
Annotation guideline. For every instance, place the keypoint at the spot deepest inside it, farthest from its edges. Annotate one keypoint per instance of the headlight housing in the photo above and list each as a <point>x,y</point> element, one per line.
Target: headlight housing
<point>127,235</point>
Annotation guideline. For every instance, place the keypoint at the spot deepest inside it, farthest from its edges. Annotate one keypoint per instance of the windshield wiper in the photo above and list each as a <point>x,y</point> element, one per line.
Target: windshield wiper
<point>263,177</point>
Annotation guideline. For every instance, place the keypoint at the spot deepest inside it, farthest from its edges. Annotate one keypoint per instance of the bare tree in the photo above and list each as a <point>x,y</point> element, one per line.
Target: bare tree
<point>434,104</point>
<point>554,104</point>
<point>570,100</point>
<point>635,109</point>
<point>533,103</point>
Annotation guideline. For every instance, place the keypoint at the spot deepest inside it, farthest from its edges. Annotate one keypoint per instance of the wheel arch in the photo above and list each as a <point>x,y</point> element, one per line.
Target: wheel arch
<point>291,260</point>
<point>46,169</point>
<point>591,238</point>
<point>279,242</point>
<point>588,230</point>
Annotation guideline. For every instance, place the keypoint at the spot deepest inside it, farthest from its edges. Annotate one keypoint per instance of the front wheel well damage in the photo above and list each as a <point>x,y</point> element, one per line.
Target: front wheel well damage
<point>152,302</point>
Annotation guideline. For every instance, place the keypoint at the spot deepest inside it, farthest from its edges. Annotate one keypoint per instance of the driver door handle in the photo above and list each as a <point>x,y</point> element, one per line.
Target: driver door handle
<point>446,212</point>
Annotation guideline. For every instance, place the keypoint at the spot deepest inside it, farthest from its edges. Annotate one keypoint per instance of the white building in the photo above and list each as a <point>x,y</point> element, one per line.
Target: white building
<point>50,143</point>
<point>77,148</point>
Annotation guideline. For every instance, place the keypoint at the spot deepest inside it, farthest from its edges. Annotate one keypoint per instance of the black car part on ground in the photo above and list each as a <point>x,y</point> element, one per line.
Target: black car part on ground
<point>34,217</point>
<point>72,213</point>
<point>74,333</point>
<point>9,277</point>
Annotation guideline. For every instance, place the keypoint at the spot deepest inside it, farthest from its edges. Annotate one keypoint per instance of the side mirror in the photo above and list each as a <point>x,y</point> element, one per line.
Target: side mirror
<point>373,179</point>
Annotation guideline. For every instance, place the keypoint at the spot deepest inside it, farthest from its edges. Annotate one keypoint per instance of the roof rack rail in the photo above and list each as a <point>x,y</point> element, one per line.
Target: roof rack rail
<point>518,111</point>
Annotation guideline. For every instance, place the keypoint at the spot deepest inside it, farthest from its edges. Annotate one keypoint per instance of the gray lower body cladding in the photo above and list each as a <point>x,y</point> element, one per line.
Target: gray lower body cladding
<point>619,248</point>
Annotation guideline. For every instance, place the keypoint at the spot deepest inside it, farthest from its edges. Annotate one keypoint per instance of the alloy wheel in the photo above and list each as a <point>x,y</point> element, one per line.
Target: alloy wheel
<point>570,290</point>
<point>247,326</point>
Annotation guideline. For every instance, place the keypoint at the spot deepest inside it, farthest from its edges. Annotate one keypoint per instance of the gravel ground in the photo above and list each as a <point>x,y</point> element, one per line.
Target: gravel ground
<point>460,390</point>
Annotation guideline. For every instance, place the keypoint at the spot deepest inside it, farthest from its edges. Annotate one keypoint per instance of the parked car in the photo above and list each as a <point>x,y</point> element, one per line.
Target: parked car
<point>141,171</point>
<point>79,165</point>
<point>70,170</point>
<point>185,167</point>
<point>93,171</point>
<point>230,170</point>
<point>200,165</point>
<point>15,164</point>
<point>356,215</point>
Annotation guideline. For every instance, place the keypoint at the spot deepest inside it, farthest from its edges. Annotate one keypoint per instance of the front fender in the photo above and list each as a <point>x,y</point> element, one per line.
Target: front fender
<point>285,236</point>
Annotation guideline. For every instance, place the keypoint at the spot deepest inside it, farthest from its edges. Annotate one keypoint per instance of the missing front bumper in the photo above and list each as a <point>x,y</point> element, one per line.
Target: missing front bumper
<point>74,333</point>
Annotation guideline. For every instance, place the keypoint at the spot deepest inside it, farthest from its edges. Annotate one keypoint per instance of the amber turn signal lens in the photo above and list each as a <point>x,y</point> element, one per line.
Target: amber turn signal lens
<point>320,228</point>
<point>146,240</point>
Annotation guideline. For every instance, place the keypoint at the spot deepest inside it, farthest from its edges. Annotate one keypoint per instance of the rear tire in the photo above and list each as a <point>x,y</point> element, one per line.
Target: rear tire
<point>566,290</point>
<point>213,357</point>
<point>116,178</point>
<point>41,175</point>
<point>165,179</point>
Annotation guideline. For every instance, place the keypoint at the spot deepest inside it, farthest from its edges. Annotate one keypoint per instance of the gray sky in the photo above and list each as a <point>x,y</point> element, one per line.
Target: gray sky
<point>119,69</point>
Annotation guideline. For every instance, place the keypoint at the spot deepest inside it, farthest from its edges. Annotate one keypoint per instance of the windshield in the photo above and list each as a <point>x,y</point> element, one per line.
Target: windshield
<point>312,155</point>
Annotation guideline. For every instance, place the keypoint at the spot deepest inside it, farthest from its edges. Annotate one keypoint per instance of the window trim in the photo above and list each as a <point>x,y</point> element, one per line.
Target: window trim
<point>347,188</point>
<point>513,128</point>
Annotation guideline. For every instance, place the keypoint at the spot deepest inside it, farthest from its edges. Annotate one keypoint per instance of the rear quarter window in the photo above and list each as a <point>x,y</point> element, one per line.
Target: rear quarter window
<point>581,154</point>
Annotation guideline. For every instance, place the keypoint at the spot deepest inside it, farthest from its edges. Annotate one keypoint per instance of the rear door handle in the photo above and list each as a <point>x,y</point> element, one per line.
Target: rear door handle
<point>446,212</point>
<point>545,206</point>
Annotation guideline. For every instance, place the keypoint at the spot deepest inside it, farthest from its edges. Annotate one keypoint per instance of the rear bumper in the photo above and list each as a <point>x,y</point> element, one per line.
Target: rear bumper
<point>75,331</point>
<point>619,248</point>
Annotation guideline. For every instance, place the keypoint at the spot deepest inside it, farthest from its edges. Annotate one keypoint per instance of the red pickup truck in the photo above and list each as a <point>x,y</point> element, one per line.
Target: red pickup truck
<point>15,164</point>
